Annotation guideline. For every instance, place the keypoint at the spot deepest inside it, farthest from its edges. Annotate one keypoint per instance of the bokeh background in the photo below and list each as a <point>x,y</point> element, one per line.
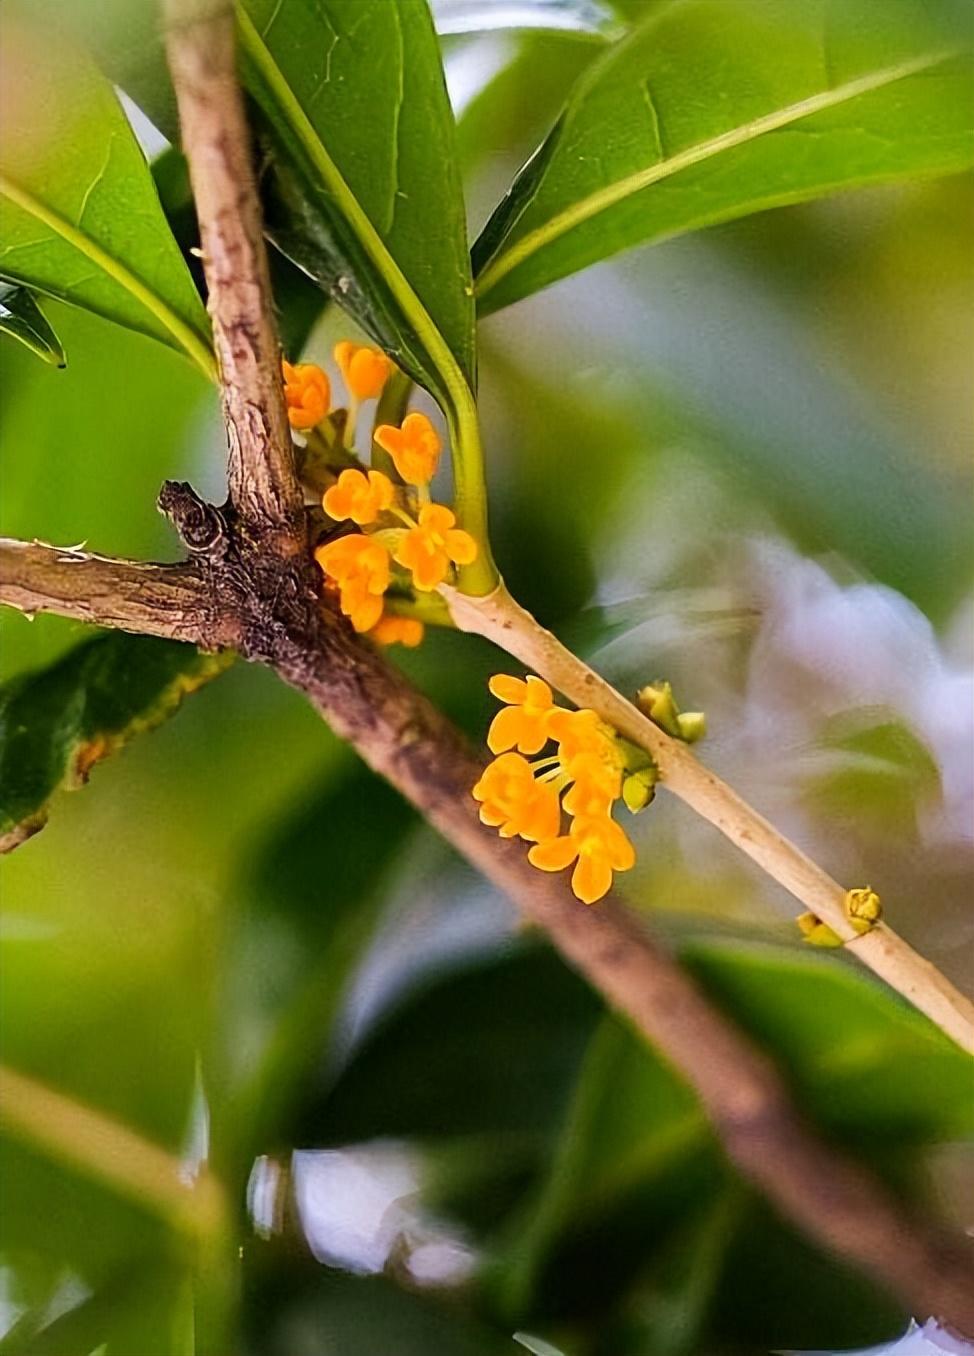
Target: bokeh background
<point>739,461</point>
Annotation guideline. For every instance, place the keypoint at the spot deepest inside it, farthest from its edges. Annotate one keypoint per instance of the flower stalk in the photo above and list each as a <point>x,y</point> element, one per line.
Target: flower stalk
<point>500,618</point>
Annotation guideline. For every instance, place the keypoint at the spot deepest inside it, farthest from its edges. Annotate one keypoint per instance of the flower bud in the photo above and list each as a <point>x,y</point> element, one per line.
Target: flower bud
<point>815,932</point>
<point>692,726</point>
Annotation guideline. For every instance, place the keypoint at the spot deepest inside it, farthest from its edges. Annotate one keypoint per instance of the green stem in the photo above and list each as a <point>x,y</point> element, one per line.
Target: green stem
<point>425,607</point>
<point>470,490</point>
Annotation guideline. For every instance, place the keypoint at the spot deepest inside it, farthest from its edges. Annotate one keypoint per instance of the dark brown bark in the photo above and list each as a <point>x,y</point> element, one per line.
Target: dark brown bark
<point>405,739</point>
<point>262,481</point>
<point>155,600</point>
<point>271,606</point>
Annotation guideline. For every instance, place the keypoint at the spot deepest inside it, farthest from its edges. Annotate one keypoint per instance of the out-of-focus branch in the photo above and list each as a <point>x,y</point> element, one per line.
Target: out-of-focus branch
<point>403,737</point>
<point>154,600</point>
<point>110,1152</point>
<point>263,483</point>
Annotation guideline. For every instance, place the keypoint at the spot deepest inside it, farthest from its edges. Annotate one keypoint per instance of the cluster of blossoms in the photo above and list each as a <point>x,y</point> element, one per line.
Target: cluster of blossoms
<point>402,526</point>
<point>588,772</point>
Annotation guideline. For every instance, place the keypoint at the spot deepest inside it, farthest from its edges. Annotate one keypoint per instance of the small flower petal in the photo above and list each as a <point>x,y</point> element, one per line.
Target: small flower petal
<point>553,855</point>
<point>505,731</point>
<point>365,370</point>
<point>307,393</point>
<point>508,689</point>
<point>393,630</point>
<point>591,879</point>
<point>414,448</point>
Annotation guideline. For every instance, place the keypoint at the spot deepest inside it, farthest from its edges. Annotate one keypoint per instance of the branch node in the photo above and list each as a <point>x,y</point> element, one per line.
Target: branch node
<point>202,527</point>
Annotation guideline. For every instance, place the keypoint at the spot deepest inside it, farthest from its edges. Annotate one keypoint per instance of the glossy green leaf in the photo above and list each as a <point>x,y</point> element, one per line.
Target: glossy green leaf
<point>79,216</point>
<point>580,18</point>
<point>668,1311</point>
<point>23,319</point>
<point>711,110</point>
<point>56,724</point>
<point>527,1018</point>
<point>636,1153</point>
<point>308,907</point>
<point>364,192</point>
<point>537,1345</point>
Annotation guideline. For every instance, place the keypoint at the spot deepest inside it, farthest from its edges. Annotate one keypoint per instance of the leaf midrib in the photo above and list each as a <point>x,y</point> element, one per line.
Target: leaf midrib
<point>604,198</point>
<point>188,338</point>
<point>421,320</point>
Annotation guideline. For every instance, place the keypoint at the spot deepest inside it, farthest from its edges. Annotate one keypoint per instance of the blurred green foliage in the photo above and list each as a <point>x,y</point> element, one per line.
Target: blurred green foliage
<point>240,945</point>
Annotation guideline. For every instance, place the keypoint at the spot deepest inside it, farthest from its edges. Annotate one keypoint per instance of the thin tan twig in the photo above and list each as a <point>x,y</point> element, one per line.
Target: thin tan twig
<point>502,620</point>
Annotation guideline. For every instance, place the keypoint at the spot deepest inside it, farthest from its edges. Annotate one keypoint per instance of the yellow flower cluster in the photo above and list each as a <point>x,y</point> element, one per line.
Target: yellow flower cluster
<point>524,799</point>
<point>404,528</point>
<point>307,390</point>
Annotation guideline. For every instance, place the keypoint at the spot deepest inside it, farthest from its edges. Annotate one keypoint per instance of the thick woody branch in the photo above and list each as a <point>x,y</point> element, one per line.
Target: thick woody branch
<point>172,601</point>
<point>271,609</point>
<point>404,738</point>
<point>262,481</point>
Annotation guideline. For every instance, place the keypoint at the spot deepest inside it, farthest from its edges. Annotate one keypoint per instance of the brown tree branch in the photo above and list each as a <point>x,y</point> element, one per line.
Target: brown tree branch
<point>271,607</point>
<point>263,484</point>
<point>405,739</point>
<point>172,601</point>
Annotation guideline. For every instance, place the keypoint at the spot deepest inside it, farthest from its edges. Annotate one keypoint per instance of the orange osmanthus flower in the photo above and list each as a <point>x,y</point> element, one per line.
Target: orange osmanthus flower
<point>597,782</point>
<point>584,777</point>
<point>365,370</point>
<point>578,732</point>
<point>307,392</point>
<point>597,845</point>
<point>523,722</point>
<point>393,630</point>
<point>359,496</point>
<point>514,803</point>
<point>360,568</point>
<point>429,549</point>
<point>414,448</point>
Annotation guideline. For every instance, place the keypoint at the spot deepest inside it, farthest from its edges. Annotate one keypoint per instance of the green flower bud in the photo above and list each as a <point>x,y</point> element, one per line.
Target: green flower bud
<point>639,788</point>
<point>656,701</point>
<point>815,932</point>
<point>692,726</point>
<point>863,907</point>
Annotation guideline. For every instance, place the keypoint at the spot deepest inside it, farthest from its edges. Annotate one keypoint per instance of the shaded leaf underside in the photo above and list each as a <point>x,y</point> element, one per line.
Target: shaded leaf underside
<point>56,724</point>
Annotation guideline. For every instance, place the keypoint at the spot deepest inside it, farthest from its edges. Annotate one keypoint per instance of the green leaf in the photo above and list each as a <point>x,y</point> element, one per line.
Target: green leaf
<point>636,1158</point>
<point>364,190</point>
<point>579,18</point>
<point>527,1018</point>
<point>79,216</point>
<point>877,769</point>
<point>668,1312</point>
<point>23,319</point>
<point>324,1311</point>
<point>537,1345</point>
<point>307,908</point>
<point>56,724</point>
<point>711,111</point>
